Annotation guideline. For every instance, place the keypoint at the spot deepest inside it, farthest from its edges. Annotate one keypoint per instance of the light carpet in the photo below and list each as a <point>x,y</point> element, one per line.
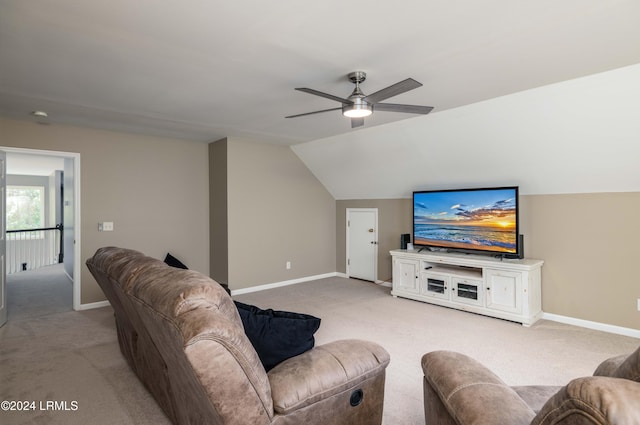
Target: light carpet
<point>74,356</point>
<point>39,292</point>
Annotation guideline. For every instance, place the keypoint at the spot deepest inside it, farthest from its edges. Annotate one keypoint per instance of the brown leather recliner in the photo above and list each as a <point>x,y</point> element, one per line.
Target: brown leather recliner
<point>182,335</point>
<point>459,390</point>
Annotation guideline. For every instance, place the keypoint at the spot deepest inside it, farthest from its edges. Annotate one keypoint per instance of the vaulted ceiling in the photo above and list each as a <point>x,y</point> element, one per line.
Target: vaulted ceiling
<point>576,136</point>
<point>203,70</point>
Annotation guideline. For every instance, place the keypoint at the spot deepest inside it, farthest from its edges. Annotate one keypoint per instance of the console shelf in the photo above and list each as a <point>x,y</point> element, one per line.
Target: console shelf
<point>503,288</point>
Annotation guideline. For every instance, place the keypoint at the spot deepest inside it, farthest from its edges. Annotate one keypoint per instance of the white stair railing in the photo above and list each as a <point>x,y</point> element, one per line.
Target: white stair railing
<point>33,248</point>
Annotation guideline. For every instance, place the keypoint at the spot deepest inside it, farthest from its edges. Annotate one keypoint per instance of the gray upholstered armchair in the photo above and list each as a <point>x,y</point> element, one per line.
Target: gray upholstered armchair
<point>459,390</point>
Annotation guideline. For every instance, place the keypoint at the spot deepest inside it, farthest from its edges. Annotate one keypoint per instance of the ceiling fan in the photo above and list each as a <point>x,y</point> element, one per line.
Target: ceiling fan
<point>358,105</point>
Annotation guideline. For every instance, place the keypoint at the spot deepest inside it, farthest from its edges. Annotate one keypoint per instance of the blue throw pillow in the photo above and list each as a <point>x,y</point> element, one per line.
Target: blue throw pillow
<point>277,335</point>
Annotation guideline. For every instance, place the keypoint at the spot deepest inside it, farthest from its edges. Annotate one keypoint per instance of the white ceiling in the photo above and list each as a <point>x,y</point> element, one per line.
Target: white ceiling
<point>203,70</point>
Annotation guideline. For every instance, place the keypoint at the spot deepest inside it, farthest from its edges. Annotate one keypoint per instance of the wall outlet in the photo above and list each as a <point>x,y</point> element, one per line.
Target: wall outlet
<point>288,266</point>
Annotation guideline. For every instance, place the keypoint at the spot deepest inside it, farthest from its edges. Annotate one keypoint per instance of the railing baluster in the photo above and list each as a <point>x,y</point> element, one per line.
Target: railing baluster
<point>33,247</point>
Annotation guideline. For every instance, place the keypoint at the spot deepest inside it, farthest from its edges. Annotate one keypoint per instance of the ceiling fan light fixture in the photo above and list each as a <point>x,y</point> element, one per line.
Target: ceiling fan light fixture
<point>358,109</point>
<point>359,106</point>
<point>357,113</point>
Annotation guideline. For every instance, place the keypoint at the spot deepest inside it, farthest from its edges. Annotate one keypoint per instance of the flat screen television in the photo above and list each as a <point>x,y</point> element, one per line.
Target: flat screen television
<point>474,220</point>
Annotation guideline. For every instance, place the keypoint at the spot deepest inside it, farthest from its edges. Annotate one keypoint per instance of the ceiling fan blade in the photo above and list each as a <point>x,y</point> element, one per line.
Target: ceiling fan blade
<point>314,112</point>
<point>394,107</point>
<point>325,95</point>
<point>357,122</point>
<point>394,90</point>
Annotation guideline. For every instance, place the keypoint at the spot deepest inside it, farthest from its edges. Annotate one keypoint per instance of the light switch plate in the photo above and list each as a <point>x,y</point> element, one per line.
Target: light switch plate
<point>106,226</point>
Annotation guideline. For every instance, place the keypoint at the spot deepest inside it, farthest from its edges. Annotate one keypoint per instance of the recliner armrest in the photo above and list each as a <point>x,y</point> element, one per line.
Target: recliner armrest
<point>472,393</point>
<point>324,371</point>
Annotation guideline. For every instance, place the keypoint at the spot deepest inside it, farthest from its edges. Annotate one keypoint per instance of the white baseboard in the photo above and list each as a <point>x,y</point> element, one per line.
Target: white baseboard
<point>279,284</point>
<point>294,281</point>
<point>634,333</point>
<point>90,306</point>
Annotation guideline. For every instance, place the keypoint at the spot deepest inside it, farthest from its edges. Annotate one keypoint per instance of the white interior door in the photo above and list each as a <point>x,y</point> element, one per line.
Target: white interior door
<point>362,243</point>
<point>3,241</point>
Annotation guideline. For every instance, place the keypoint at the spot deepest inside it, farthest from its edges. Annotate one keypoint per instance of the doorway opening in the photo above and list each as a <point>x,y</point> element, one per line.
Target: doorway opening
<point>44,281</point>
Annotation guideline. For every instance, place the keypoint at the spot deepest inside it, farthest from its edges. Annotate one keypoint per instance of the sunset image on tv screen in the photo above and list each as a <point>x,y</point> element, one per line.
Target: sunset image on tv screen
<point>476,219</point>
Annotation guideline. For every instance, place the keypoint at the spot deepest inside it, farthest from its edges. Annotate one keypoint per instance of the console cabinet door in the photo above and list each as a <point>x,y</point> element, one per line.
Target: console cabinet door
<point>405,275</point>
<point>434,285</point>
<point>467,291</point>
<point>503,290</point>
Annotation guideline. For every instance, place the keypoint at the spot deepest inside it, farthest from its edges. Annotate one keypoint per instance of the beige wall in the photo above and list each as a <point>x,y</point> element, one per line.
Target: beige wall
<point>155,190</point>
<point>587,242</point>
<point>277,212</point>
<point>394,219</point>
<point>219,239</point>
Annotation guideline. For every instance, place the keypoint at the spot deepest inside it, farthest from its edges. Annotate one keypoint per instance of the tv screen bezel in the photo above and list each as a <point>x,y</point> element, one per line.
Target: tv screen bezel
<point>488,252</point>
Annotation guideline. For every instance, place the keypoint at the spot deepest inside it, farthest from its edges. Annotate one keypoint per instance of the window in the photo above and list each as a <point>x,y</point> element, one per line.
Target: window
<point>25,207</point>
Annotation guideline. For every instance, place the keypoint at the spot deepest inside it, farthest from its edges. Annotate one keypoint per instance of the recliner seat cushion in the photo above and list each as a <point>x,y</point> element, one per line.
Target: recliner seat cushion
<point>326,371</point>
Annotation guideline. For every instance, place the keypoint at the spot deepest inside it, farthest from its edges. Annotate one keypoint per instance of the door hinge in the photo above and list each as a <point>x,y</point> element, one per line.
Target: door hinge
<point>348,261</point>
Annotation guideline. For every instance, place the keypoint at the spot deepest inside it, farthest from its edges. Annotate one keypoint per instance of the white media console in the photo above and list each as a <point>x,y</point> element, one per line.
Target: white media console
<point>508,289</point>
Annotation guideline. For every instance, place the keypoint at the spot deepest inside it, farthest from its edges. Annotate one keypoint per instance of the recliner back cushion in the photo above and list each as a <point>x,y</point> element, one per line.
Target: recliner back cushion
<point>212,337</point>
<point>173,291</point>
<point>626,367</point>
<point>597,400</point>
<point>611,396</point>
<point>192,323</point>
<point>630,368</point>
